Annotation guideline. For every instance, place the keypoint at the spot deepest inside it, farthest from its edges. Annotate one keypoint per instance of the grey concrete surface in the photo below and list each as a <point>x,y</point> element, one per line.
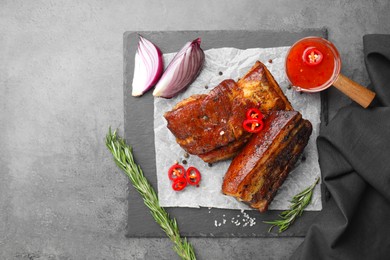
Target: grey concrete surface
<point>61,196</point>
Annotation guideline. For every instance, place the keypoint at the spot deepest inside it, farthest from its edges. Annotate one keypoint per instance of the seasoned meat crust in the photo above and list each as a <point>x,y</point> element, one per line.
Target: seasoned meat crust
<point>263,164</point>
<point>210,125</point>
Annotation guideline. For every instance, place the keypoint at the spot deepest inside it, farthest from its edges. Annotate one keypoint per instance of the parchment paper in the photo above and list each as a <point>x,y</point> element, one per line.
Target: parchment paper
<point>233,63</point>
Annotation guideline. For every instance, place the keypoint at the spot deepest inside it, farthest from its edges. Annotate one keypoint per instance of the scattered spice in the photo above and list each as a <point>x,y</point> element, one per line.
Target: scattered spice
<point>206,87</point>
<point>186,155</point>
<point>289,87</point>
<point>303,158</point>
<point>210,164</point>
<point>220,73</point>
<point>184,162</point>
<point>270,60</point>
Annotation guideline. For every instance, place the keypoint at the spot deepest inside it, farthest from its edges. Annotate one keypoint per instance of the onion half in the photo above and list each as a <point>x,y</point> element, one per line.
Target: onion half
<point>181,71</point>
<point>148,67</point>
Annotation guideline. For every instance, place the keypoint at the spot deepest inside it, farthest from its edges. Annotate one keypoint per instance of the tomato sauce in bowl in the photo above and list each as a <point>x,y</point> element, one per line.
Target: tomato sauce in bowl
<point>312,64</point>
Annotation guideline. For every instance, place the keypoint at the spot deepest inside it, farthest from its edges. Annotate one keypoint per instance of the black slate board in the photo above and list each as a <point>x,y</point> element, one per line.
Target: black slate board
<point>138,126</point>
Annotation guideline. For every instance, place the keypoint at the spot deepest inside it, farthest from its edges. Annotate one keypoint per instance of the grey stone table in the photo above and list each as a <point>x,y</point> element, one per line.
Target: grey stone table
<point>61,66</point>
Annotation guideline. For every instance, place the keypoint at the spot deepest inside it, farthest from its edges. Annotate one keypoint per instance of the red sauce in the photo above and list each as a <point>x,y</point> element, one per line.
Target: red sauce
<point>304,75</point>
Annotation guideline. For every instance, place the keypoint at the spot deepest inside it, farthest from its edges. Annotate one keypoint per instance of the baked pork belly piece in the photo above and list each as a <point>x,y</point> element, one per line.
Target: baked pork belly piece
<point>263,164</point>
<point>210,125</point>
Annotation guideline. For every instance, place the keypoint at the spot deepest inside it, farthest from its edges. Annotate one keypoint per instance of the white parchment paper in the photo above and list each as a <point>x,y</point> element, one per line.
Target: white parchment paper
<point>233,63</point>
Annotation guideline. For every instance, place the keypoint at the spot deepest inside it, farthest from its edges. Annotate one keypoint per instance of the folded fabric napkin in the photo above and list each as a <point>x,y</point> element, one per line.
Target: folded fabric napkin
<point>354,152</point>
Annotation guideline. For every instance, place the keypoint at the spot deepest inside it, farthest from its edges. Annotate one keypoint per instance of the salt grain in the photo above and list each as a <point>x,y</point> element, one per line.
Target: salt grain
<point>243,220</point>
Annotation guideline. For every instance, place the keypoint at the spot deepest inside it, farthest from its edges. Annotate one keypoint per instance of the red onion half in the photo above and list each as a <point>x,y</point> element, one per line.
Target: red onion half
<point>181,71</point>
<point>148,67</point>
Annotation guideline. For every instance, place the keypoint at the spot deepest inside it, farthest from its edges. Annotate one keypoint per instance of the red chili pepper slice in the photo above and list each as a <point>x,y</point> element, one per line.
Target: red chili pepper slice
<point>176,171</point>
<point>312,56</point>
<point>253,125</point>
<point>179,184</point>
<point>193,176</point>
<point>254,113</point>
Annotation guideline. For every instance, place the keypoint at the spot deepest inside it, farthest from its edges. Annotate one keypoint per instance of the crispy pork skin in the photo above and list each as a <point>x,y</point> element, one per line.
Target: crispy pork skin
<point>210,125</point>
<point>263,164</point>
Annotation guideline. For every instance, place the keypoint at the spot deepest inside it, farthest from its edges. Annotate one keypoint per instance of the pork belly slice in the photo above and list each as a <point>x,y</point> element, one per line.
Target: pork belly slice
<point>261,167</point>
<point>225,152</point>
<point>210,125</point>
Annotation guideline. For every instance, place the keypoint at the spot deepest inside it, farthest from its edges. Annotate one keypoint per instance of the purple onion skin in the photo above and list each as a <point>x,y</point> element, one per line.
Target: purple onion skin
<point>160,69</point>
<point>177,77</point>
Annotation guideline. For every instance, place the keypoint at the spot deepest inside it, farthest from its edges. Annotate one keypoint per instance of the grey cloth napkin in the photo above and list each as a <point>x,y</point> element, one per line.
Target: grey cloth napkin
<point>354,153</point>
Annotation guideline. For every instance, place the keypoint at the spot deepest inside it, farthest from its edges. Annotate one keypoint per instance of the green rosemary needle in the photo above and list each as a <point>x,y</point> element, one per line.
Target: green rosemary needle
<point>298,203</point>
<point>123,157</point>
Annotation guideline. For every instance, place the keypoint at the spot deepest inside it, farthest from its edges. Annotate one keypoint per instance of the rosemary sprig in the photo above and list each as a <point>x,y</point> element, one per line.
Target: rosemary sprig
<point>123,157</point>
<point>298,203</point>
